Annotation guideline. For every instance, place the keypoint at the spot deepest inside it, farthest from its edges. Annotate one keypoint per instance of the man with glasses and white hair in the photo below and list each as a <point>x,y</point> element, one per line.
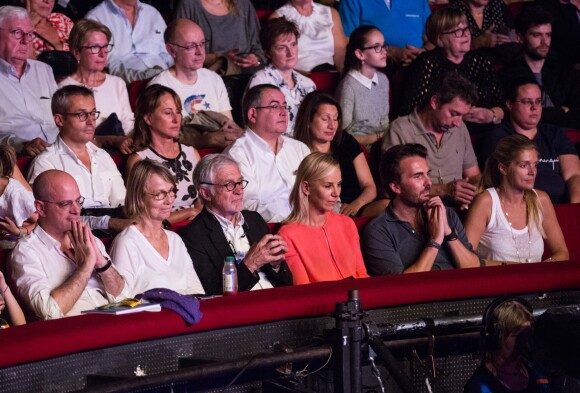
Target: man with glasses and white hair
<point>60,269</point>
<point>223,229</point>
<point>27,86</point>
<point>93,168</point>
<point>267,158</point>
<point>559,167</point>
<point>198,88</point>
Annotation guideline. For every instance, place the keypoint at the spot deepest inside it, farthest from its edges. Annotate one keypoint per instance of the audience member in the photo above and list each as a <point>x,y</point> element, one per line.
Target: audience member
<point>267,158</point>
<point>17,212</point>
<point>318,125</point>
<point>9,305</point>
<point>223,229</point>
<point>27,86</point>
<point>279,39</point>
<point>448,29</point>
<point>437,126</point>
<point>566,34</point>
<point>51,29</point>
<point>198,88</point>
<point>95,171</point>
<point>507,327</point>
<point>90,45</point>
<point>156,136</point>
<point>416,232</point>
<point>138,37</point>
<point>402,23</point>
<point>60,269</point>
<point>363,93</point>
<point>560,82</point>
<point>322,43</point>
<point>559,167</point>
<point>145,254</point>
<point>322,245</point>
<point>510,208</point>
<point>232,30</point>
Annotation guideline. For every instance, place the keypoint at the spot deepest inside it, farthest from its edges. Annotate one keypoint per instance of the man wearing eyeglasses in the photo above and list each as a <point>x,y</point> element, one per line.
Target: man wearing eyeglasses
<point>559,167</point>
<point>268,159</point>
<point>95,171</point>
<point>560,82</point>
<point>223,229</point>
<point>26,87</point>
<point>137,28</point>
<point>198,88</point>
<point>60,269</point>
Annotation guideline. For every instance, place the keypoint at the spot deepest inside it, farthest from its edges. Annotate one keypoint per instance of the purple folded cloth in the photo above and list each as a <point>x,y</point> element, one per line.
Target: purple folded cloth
<point>186,306</point>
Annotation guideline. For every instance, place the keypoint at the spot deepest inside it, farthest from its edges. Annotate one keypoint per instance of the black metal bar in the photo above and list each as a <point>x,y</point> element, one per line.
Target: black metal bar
<point>392,365</point>
<point>267,360</point>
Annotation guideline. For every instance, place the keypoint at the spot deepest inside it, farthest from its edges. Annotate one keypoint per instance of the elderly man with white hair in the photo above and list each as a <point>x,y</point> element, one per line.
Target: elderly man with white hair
<point>27,86</point>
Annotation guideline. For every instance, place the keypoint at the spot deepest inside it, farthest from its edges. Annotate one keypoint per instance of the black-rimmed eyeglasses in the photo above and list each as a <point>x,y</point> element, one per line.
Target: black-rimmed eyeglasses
<point>162,195</point>
<point>94,49</point>
<point>82,115</point>
<point>458,33</point>
<point>18,34</point>
<point>230,186</point>
<point>68,203</point>
<point>193,46</point>
<point>377,47</point>
<point>529,102</point>
<point>274,107</point>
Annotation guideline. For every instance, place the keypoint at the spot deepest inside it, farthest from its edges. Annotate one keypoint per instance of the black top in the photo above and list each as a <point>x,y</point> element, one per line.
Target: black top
<point>494,13</point>
<point>207,245</point>
<point>347,151</point>
<point>565,29</point>
<point>430,65</point>
<point>483,381</point>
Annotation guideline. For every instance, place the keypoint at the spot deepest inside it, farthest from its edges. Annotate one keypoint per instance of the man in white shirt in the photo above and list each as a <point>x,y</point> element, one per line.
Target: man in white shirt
<point>200,89</point>
<point>27,86</point>
<point>96,173</point>
<point>268,159</point>
<point>60,269</point>
<point>139,51</point>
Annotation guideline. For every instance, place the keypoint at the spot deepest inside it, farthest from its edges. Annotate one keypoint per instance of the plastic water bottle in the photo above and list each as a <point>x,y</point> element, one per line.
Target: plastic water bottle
<point>230,276</point>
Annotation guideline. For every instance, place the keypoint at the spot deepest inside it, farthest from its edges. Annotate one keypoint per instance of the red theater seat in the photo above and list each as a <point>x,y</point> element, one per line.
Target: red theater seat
<point>263,15</point>
<point>569,218</point>
<point>23,163</point>
<point>211,150</point>
<point>135,88</point>
<point>326,81</point>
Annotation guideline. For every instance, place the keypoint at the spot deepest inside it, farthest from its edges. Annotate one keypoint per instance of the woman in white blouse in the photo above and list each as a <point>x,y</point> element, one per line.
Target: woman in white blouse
<point>145,254</point>
<point>322,40</point>
<point>90,44</point>
<point>509,221</point>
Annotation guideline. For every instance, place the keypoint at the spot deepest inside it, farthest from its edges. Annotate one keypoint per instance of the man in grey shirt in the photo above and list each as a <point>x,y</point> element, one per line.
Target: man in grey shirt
<point>416,233</point>
<point>439,127</point>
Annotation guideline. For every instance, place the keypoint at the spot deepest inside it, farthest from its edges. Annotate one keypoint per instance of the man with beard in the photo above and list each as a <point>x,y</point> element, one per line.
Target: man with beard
<point>60,269</point>
<point>416,233</point>
<point>560,82</point>
<point>439,127</point>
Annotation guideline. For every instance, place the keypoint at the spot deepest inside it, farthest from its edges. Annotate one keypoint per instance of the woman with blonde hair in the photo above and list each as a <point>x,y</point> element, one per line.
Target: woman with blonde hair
<point>322,245</point>
<point>509,221</point>
<point>145,254</point>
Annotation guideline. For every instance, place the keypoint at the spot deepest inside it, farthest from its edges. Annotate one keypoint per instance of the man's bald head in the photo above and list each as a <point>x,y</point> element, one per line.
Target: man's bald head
<point>47,184</point>
<point>178,27</point>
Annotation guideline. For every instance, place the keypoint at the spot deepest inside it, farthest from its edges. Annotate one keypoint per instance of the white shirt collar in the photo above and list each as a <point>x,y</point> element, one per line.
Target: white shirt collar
<point>227,224</point>
<point>366,82</point>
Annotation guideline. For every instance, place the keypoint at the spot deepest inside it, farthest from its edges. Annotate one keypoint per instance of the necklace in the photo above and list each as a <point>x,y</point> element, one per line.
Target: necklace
<point>507,216</point>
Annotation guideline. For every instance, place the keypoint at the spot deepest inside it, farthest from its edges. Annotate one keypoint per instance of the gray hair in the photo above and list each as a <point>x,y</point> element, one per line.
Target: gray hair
<point>207,168</point>
<point>9,11</point>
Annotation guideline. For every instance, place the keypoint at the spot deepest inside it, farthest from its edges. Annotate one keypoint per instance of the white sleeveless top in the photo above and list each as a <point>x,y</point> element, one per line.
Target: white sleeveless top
<point>316,43</point>
<point>182,168</point>
<point>500,242</point>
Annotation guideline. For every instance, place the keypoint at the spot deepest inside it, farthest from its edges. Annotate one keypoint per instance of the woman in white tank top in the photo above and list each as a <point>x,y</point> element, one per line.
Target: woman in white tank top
<point>510,221</point>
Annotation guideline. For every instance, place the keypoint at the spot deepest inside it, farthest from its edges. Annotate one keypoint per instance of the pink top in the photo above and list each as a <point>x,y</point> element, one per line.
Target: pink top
<point>63,26</point>
<point>327,253</point>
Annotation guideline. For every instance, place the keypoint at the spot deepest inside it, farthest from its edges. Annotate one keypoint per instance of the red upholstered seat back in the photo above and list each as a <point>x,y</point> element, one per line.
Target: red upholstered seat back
<point>569,218</point>
<point>134,89</point>
<point>326,81</point>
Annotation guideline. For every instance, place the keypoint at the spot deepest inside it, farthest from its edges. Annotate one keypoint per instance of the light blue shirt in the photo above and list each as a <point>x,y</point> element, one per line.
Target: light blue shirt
<point>137,49</point>
<point>25,104</point>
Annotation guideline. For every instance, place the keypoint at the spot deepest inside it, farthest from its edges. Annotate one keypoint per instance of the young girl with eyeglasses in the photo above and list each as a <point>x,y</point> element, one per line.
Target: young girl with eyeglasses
<point>363,93</point>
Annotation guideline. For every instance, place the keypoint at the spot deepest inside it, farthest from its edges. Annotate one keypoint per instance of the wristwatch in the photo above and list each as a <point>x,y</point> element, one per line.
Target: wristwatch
<point>452,236</point>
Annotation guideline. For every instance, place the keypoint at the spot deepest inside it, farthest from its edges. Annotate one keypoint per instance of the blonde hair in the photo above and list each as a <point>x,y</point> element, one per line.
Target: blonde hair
<point>137,184</point>
<point>441,20</point>
<point>7,160</point>
<point>312,168</point>
<point>507,152</point>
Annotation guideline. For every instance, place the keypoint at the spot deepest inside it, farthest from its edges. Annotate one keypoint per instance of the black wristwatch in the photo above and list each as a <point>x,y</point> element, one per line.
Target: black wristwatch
<point>452,236</point>
<point>103,269</point>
